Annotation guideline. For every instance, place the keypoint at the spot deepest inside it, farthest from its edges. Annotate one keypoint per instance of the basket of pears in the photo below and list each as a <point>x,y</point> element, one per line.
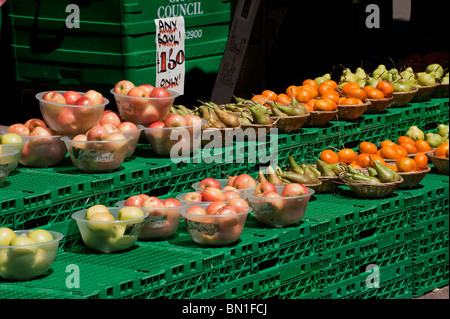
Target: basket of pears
<point>441,90</point>
<point>426,82</point>
<point>402,81</point>
<point>289,118</point>
<point>221,124</point>
<point>305,174</point>
<point>377,181</point>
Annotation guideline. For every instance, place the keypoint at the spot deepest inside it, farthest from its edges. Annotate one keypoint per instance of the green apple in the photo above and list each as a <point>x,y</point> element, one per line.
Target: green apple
<point>96,209</point>
<point>19,241</point>
<point>10,138</point>
<point>40,236</point>
<point>99,224</point>
<point>130,212</point>
<point>6,235</point>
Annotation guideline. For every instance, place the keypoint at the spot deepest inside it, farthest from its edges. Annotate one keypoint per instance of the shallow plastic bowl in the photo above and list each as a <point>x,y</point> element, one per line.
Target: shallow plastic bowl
<point>9,159</point>
<point>20,263</point>
<point>19,146</point>
<point>223,183</point>
<point>70,120</point>
<point>97,156</point>
<point>133,142</point>
<point>144,110</point>
<point>42,151</point>
<point>108,236</point>
<point>175,142</point>
<point>279,211</point>
<point>160,222</point>
<point>214,230</point>
<point>180,198</point>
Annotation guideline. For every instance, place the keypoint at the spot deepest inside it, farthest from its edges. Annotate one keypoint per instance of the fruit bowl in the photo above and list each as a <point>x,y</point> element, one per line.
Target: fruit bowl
<point>403,98</point>
<point>279,211</point>
<point>320,118</point>
<point>378,105</point>
<point>17,144</point>
<point>423,93</point>
<point>69,119</point>
<point>160,222</point>
<point>196,194</point>
<point>144,110</point>
<point>370,190</point>
<point>441,163</point>
<point>223,183</point>
<point>187,139</point>
<point>28,261</point>
<point>135,134</point>
<point>109,236</point>
<point>9,159</point>
<point>214,230</point>
<point>97,156</point>
<point>351,112</point>
<point>42,151</point>
<point>441,90</point>
<point>412,179</point>
<point>289,124</point>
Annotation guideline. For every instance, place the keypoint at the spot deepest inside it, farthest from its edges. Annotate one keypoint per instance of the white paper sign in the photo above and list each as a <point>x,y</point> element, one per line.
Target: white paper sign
<point>170,60</point>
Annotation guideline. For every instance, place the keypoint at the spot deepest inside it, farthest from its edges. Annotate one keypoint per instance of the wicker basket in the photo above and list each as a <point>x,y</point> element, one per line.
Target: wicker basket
<point>423,93</point>
<point>320,118</point>
<point>329,184</point>
<point>378,105</point>
<point>351,112</point>
<point>412,179</point>
<point>370,190</point>
<point>441,163</point>
<point>441,91</point>
<point>287,124</point>
<point>403,98</point>
<point>426,153</point>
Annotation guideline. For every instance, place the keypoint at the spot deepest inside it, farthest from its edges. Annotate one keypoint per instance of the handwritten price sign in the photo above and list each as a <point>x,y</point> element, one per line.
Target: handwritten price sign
<point>170,60</point>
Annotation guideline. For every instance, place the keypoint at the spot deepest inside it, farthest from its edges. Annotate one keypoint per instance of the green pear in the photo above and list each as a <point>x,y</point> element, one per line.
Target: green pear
<point>393,71</point>
<point>443,130</point>
<point>434,139</point>
<point>360,73</point>
<point>425,79</point>
<point>401,86</point>
<point>437,69</point>
<point>407,75</point>
<point>444,80</point>
<point>378,72</point>
<point>415,133</point>
<point>384,173</point>
<point>371,81</point>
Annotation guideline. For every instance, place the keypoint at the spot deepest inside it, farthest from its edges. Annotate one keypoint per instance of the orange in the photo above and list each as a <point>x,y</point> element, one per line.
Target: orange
<point>422,146</point>
<point>348,86</point>
<point>329,156</point>
<point>403,139</point>
<point>260,99</point>
<point>375,158</point>
<point>410,148</point>
<point>389,152</point>
<point>349,101</point>
<point>292,90</point>
<point>325,88</point>
<point>387,142</point>
<point>367,147</point>
<point>331,83</point>
<point>392,167</point>
<point>312,89</point>
<point>304,95</point>
<point>401,150</point>
<point>441,150</point>
<point>271,95</point>
<point>357,93</point>
<point>355,165</point>
<point>406,164</point>
<point>363,159</point>
<point>311,82</point>
<point>311,102</point>
<point>375,94</point>
<point>333,96</point>
<point>283,99</point>
<point>386,88</point>
<point>324,105</point>
<point>346,155</point>
<point>421,161</point>
<point>309,107</point>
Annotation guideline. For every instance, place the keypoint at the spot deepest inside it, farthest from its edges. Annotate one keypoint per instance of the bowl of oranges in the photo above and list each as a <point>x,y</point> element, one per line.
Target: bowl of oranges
<point>353,102</point>
<point>380,97</point>
<point>439,158</point>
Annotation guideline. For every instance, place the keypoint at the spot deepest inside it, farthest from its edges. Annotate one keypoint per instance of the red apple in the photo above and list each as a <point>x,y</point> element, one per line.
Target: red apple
<point>153,202</point>
<point>122,87</point>
<point>244,181</point>
<point>67,120</point>
<point>110,117</point>
<point>159,92</point>
<point>196,210</point>
<point>71,96</point>
<point>231,194</point>
<point>41,131</point>
<point>229,188</point>
<point>115,136</point>
<point>32,123</point>
<point>84,101</point>
<point>231,181</point>
<point>147,87</point>
<point>294,189</point>
<point>127,126</point>
<point>80,137</point>
<point>212,194</point>
<point>138,92</point>
<point>193,196</point>
<point>214,207</point>
<point>44,136</point>
<point>209,182</point>
<point>239,204</point>
<point>19,129</point>
<point>175,120</point>
<point>54,97</point>
<point>192,120</point>
<point>171,202</point>
<point>226,210</point>
<point>110,128</point>
<point>134,200</point>
<point>144,196</point>
<point>264,187</point>
<point>270,194</point>
<point>157,125</point>
<point>97,133</point>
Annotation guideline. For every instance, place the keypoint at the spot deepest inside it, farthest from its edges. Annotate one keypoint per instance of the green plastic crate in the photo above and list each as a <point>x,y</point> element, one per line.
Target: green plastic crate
<point>430,279</point>
<point>395,289</point>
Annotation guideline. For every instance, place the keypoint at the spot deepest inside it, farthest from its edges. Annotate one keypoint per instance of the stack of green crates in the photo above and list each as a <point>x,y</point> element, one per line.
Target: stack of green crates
<point>115,40</point>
